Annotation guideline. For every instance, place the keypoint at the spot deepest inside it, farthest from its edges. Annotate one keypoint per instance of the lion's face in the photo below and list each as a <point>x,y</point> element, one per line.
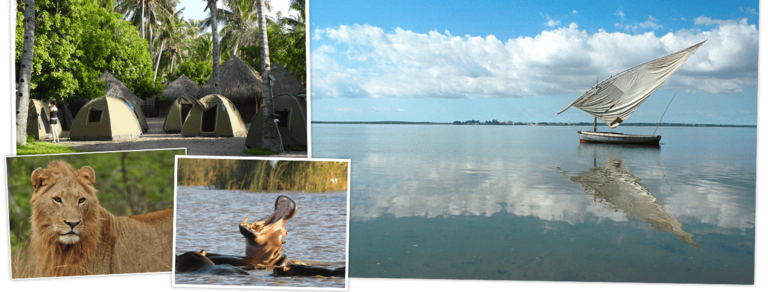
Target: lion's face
<point>64,202</point>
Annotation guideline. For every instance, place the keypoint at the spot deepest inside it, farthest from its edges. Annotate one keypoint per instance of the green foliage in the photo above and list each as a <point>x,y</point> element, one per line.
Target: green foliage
<point>260,151</point>
<point>75,42</point>
<point>198,71</point>
<point>39,147</point>
<point>128,182</point>
<point>286,47</point>
<point>146,87</point>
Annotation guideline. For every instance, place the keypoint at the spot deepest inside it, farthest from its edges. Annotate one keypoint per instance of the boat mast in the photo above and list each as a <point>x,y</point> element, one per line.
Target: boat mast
<point>594,125</point>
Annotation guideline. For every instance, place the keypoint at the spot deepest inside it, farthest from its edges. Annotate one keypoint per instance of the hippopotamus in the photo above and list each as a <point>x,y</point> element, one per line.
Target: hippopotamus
<point>302,270</point>
<point>264,245</point>
<point>263,239</point>
<point>197,263</point>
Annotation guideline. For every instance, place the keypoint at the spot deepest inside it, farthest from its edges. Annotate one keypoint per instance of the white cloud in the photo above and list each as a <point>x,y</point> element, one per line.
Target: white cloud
<point>620,14</point>
<point>752,11</point>
<point>366,61</point>
<point>652,24</point>
<point>574,12</point>
<point>550,22</point>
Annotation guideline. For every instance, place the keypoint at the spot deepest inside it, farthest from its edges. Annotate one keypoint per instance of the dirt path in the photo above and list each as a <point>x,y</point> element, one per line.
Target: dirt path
<point>157,139</point>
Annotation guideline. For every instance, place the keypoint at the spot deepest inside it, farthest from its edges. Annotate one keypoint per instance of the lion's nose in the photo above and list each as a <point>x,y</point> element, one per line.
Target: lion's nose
<point>71,224</point>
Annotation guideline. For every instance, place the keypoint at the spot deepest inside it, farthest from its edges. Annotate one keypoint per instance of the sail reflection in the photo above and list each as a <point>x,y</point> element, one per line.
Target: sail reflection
<point>612,184</point>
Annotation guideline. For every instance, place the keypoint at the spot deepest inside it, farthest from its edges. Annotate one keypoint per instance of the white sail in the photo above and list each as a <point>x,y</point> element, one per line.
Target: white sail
<point>614,99</point>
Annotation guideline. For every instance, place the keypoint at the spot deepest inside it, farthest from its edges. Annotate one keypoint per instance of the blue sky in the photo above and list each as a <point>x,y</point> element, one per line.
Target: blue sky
<point>194,8</point>
<point>442,61</point>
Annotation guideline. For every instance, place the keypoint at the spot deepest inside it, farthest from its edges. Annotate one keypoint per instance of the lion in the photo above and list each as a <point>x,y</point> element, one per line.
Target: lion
<point>73,235</point>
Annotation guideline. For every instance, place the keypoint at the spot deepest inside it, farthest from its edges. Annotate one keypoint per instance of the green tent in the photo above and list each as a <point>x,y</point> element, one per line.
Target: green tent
<point>291,111</point>
<point>178,112</point>
<point>214,115</point>
<point>37,122</point>
<point>138,113</point>
<point>105,118</point>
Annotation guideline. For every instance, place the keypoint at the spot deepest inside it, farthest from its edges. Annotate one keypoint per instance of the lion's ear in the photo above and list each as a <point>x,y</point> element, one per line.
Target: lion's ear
<point>88,174</point>
<point>37,178</point>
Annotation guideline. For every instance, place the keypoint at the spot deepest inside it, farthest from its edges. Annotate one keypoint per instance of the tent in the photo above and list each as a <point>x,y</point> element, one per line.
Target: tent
<point>117,89</point>
<point>178,112</point>
<point>182,86</point>
<point>105,118</point>
<point>240,84</point>
<point>214,115</point>
<point>138,113</point>
<point>37,122</point>
<point>291,111</point>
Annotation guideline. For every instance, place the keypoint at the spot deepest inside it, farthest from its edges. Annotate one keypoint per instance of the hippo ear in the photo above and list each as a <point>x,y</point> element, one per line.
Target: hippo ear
<point>38,178</point>
<point>202,252</point>
<point>88,174</point>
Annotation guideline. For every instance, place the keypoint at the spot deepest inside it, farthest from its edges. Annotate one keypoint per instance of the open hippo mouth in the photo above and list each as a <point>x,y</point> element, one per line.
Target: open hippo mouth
<point>261,231</point>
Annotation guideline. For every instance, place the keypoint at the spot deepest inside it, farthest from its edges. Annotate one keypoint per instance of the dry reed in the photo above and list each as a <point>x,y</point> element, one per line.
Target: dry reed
<point>261,176</point>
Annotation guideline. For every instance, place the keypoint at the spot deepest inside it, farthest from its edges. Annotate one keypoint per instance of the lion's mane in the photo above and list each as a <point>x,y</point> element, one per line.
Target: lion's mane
<point>107,243</point>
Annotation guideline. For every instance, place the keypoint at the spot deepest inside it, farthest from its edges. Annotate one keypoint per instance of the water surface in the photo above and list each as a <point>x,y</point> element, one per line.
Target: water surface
<point>208,219</point>
<point>531,203</point>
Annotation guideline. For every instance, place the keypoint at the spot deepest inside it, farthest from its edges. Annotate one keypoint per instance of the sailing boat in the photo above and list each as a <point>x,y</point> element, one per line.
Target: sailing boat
<point>614,99</point>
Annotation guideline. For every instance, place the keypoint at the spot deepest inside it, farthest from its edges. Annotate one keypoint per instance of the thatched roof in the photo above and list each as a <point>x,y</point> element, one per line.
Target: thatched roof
<point>115,88</point>
<point>286,82</point>
<point>237,82</point>
<point>182,86</point>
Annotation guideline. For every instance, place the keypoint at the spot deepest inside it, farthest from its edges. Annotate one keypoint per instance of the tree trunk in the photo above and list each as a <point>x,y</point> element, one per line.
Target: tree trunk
<point>270,139</point>
<point>142,19</point>
<point>173,58</point>
<point>13,64</point>
<point>151,39</point>
<point>234,51</point>
<point>215,39</point>
<point>25,74</point>
<point>159,54</point>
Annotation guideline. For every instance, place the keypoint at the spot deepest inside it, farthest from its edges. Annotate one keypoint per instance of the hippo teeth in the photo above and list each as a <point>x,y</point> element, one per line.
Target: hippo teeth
<point>245,221</point>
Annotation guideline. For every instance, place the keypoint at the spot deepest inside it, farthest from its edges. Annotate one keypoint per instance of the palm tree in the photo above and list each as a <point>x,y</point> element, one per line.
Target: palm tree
<point>13,52</point>
<point>172,33</point>
<point>25,74</point>
<point>145,14</point>
<point>174,25</point>
<point>215,37</point>
<point>270,139</point>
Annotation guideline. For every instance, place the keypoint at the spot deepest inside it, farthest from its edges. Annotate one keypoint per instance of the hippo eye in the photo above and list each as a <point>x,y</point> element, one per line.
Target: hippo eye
<point>57,200</point>
<point>81,200</point>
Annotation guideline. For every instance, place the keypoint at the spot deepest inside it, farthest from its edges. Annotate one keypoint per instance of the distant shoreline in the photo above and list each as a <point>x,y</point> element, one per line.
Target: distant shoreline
<point>537,124</point>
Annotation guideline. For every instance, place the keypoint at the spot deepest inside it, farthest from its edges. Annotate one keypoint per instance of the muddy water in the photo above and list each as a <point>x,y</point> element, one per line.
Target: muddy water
<point>208,219</point>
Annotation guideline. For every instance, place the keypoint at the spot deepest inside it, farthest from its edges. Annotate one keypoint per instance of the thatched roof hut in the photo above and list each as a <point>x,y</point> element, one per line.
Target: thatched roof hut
<point>182,86</point>
<point>285,82</point>
<point>115,88</point>
<point>240,84</point>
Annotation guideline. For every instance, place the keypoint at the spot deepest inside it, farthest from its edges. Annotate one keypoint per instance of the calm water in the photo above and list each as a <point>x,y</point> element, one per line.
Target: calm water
<point>208,219</point>
<point>532,203</point>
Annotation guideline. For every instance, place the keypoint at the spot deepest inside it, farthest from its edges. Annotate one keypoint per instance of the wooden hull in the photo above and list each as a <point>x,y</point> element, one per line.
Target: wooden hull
<point>617,138</point>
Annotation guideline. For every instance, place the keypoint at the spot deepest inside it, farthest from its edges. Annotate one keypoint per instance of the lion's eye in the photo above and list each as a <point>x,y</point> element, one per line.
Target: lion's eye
<point>81,200</point>
<point>57,200</point>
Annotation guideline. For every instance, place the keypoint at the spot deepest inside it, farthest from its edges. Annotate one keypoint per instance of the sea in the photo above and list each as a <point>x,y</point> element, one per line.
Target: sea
<point>531,203</point>
<point>208,219</point>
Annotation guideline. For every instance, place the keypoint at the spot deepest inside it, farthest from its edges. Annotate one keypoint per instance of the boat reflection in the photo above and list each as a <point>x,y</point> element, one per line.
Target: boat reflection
<point>612,184</point>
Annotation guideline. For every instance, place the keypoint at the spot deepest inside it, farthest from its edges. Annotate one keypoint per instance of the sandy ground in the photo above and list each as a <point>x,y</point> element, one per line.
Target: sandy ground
<point>157,139</point>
